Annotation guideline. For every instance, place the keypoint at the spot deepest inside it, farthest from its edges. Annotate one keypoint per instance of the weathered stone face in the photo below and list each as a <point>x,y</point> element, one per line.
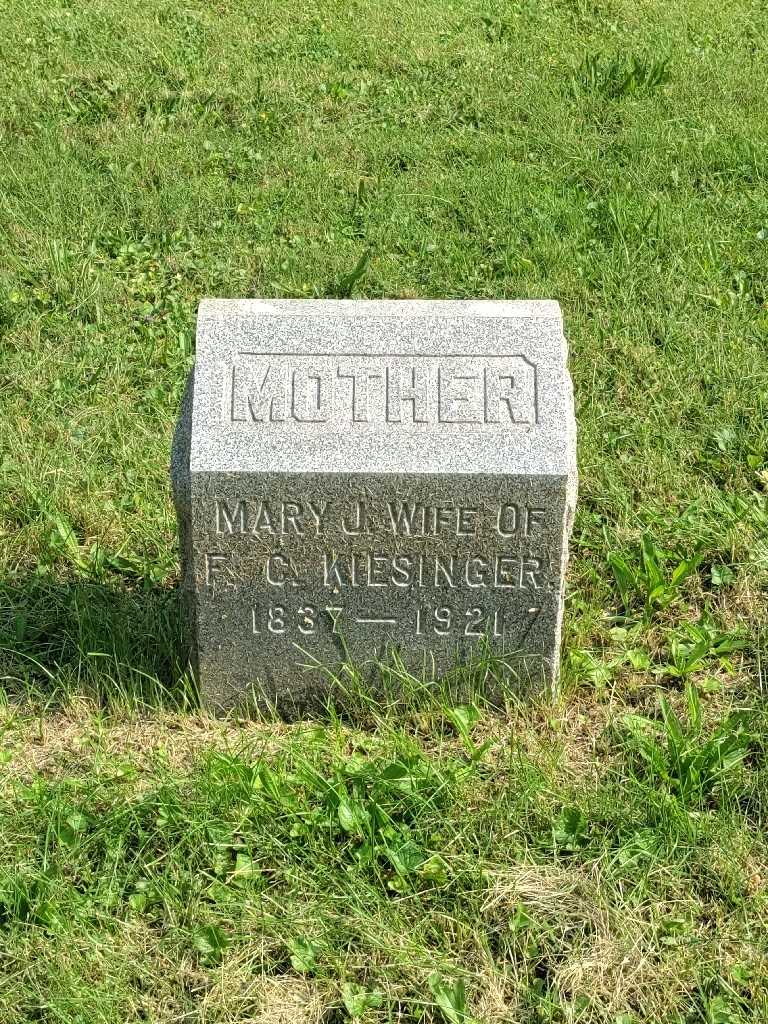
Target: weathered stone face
<point>356,476</point>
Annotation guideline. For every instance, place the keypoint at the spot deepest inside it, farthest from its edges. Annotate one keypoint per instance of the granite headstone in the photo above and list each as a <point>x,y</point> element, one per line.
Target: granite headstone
<point>357,477</point>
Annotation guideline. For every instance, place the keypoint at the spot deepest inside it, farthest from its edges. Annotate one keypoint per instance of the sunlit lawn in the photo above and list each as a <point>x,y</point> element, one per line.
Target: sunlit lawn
<point>599,856</point>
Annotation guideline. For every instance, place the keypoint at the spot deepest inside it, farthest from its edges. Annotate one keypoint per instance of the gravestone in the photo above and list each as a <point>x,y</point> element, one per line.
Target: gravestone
<point>357,477</point>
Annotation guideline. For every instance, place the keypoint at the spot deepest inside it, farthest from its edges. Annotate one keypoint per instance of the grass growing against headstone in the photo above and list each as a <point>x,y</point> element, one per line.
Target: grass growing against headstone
<point>596,857</point>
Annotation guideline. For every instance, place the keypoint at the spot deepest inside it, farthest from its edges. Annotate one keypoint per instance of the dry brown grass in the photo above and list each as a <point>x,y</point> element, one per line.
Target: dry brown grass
<point>81,738</point>
<point>607,953</point>
<point>236,997</point>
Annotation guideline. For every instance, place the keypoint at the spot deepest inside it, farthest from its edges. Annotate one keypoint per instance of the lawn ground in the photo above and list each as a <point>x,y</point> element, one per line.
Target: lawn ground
<point>599,856</point>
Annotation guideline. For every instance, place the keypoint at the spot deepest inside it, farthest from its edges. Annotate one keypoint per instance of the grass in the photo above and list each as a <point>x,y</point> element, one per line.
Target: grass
<point>180,869</point>
<point>596,857</point>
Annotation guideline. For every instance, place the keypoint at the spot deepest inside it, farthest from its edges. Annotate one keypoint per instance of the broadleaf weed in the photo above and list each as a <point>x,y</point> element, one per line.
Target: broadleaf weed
<point>646,580</point>
<point>677,753</point>
<point>617,76</point>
